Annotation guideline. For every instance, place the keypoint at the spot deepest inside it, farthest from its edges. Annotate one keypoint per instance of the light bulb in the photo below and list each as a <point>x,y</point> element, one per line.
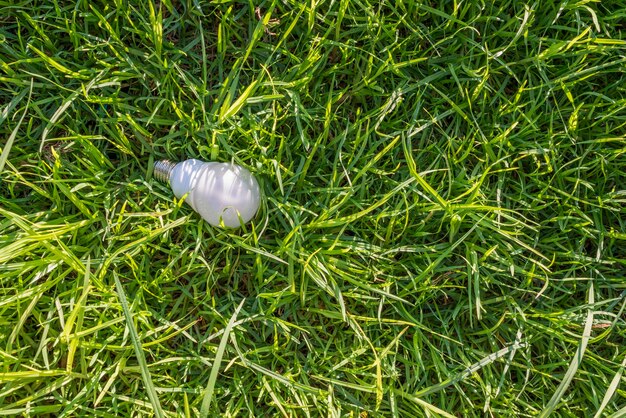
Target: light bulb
<point>220,192</point>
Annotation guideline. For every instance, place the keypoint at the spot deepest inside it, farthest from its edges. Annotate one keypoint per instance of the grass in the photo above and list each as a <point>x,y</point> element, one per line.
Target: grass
<point>442,232</point>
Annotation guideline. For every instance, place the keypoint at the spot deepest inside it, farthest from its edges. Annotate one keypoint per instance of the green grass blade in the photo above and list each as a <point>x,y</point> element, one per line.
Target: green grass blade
<point>208,392</point>
<point>7,147</point>
<point>576,361</point>
<point>428,407</point>
<point>141,359</point>
<point>610,391</point>
<point>471,369</point>
<point>4,114</point>
<point>621,413</point>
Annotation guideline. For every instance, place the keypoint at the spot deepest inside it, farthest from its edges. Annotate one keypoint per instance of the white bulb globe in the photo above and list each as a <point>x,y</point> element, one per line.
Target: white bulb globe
<point>221,193</point>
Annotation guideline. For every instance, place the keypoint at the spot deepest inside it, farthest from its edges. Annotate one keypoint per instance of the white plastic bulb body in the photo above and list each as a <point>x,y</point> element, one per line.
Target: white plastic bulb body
<point>224,194</point>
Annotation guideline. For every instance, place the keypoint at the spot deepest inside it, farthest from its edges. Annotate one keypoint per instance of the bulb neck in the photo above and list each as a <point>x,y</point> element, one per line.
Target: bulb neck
<point>162,170</point>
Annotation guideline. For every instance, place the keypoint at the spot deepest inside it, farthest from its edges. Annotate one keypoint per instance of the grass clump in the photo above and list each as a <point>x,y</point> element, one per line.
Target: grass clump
<point>442,231</point>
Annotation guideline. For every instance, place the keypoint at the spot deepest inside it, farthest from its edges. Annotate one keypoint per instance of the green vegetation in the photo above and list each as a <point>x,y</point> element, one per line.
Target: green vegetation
<point>443,230</point>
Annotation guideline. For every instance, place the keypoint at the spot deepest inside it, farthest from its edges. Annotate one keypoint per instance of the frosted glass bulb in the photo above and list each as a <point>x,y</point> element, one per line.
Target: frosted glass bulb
<point>217,191</point>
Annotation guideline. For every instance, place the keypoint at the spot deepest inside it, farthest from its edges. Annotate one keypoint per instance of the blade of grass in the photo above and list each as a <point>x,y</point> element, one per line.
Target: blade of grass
<point>141,359</point>
<point>610,391</point>
<point>621,413</point>
<point>208,392</point>
<point>428,407</point>
<point>471,369</point>
<point>4,114</point>
<point>7,147</point>
<point>576,361</point>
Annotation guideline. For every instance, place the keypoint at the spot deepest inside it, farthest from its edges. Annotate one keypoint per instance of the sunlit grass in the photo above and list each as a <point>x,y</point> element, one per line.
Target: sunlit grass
<point>443,224</point>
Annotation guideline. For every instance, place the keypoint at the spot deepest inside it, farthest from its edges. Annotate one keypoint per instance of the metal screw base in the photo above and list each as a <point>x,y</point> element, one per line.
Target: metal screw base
<point>162,170</point>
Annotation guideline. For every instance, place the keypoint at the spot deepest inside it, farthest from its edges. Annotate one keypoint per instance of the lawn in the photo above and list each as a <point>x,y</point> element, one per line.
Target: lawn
<point>442,230</point>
